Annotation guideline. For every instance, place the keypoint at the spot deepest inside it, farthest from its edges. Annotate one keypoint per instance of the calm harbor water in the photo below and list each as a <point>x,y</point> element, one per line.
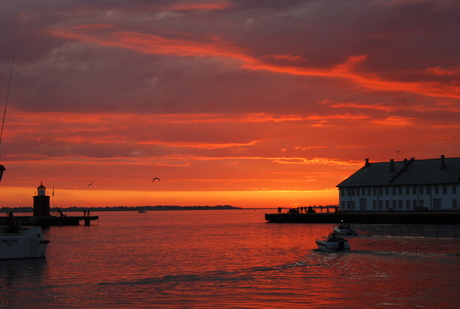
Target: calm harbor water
<point>234,259</point>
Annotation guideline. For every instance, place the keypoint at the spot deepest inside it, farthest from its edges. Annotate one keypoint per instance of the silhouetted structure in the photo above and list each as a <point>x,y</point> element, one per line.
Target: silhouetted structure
<point>371,217</point>
<point>2,169</point>
<point>41,202</point>
<point>409,185</point>
<point>42,216</point>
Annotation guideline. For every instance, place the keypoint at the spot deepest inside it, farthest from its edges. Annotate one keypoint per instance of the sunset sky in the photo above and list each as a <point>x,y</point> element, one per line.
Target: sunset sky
<point>250,103</point>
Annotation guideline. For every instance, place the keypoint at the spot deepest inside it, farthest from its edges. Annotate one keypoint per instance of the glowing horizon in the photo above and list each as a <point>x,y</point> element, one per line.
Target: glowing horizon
<point>105,198</point>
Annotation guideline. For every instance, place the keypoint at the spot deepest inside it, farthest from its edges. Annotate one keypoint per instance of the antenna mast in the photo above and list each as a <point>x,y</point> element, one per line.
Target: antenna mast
<point>6,103</point>
<point>2,168</point>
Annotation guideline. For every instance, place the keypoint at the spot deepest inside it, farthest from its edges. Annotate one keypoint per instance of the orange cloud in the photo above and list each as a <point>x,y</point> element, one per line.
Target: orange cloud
<point>439,106</point>
<point>381,107</point>
<point>395,121</point>
<point>199,145</point>
<point>155,44</point>
<point>201,5</point>
<point>285,57</point>
<point>93,27</point>
<point>346,116</point>
<point>439,71</point>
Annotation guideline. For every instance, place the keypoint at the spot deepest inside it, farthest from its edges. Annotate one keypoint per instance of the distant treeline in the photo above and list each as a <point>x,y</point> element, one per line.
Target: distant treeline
<point>119,208</point>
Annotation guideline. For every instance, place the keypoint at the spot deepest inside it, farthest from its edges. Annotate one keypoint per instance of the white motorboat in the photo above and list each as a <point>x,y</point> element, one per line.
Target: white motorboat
<point>333,243</point>
<point>25,244</point>
<point>345,229</point>
<point>21,242</point>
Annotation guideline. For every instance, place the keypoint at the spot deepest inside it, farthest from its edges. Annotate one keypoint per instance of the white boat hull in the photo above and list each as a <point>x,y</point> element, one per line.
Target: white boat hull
<point>332,246</point>
<point>349,232</point>
<point>26,244</point>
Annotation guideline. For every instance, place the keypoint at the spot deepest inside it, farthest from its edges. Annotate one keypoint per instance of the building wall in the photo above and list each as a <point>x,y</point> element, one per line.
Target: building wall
<point>410,197</point>
<point>41,205</point>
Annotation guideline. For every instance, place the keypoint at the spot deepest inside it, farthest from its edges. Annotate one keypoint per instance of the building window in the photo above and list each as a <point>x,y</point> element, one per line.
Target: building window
<point>454,204</point>
<point>363,191</point>
<point>374,191</point>
<point>393,190</point>
<point>428,190</point>
<point>407,204</point>
<point>394,204</point>
<point>399,190</point>
<point>444,189</point>
<point>380,204</point>
<point>407,190</point>
<point>374,205</point>
<point>400,204</point>
<point>454,189</point>
<point>414,204</point>
<point>387,191</point>
<point>387,204</point>
<point>369,191</point>
<point>414,190</point>
<point>380,191</point>
<point>421,190</point>
<point>436,190</point>
<point>420,204</point>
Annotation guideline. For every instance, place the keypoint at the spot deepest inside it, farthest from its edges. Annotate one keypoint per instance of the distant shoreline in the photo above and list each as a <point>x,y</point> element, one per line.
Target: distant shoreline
<point>119,208</point>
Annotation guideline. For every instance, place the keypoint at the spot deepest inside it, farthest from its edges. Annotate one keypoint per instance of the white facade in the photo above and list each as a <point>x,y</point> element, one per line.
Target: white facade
<point>432,184</point>
<point>408,197</point>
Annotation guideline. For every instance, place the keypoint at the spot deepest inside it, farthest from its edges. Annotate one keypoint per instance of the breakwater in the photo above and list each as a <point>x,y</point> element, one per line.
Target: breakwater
<point>447,217</point>
<point>45,221</point>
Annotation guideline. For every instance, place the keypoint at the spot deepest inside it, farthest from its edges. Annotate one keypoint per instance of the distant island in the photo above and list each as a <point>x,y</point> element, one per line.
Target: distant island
<point>119,208</point>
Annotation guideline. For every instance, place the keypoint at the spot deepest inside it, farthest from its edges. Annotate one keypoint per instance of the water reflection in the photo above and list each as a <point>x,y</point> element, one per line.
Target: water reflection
<point>19,276</point>
<point>228,259</point>
<point>26,270</point>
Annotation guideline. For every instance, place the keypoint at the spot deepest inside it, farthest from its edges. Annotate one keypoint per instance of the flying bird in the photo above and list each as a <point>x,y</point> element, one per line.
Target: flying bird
<point>91,183</point>
<point>156,178</point>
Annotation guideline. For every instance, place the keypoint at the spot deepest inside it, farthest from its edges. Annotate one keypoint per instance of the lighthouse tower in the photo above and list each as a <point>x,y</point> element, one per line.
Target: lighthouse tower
<point>41,202</point>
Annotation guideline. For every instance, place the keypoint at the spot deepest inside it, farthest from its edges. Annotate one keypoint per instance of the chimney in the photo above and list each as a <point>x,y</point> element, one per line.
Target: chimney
<point>392,165</point>
<point>367,162</point>
<point>443,162</point>
<point>405,164</point>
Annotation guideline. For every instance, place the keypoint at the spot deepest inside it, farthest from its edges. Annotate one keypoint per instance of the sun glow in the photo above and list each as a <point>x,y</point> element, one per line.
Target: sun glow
<point>18,197</point>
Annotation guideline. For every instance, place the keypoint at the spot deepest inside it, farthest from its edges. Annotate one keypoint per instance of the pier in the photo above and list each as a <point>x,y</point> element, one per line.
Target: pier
<point>45,221</point>
<point>390,217</point>
<point>42,216</point>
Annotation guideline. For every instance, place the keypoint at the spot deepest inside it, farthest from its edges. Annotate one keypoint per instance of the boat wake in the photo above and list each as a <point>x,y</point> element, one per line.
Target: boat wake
<point>406,254</point>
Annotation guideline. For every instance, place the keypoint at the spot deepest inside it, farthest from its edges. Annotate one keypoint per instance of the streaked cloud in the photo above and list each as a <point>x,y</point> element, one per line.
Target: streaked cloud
<point>223,98</point>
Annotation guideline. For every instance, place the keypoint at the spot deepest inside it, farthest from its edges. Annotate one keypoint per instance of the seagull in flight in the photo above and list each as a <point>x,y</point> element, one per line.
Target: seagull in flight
<point>91,183</point>
<point>156,178</point>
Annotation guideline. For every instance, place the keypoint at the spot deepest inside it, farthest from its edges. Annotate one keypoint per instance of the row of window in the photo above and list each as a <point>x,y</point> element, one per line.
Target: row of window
<point>399,190</point>
<point>394,204</point>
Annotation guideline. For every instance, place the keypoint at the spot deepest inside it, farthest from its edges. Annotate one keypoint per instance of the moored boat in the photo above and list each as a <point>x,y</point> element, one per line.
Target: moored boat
<point>333,243</point>
<point>21,242</point>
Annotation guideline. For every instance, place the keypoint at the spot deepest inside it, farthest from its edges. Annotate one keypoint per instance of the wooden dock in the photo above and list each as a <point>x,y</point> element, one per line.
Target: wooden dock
<point>44,221</point>
<point>391,217</point>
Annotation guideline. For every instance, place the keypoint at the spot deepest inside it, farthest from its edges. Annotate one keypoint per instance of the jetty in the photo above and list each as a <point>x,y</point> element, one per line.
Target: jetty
<point>388,217</point>
<point>42,216</point>
<point>45,221</point>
